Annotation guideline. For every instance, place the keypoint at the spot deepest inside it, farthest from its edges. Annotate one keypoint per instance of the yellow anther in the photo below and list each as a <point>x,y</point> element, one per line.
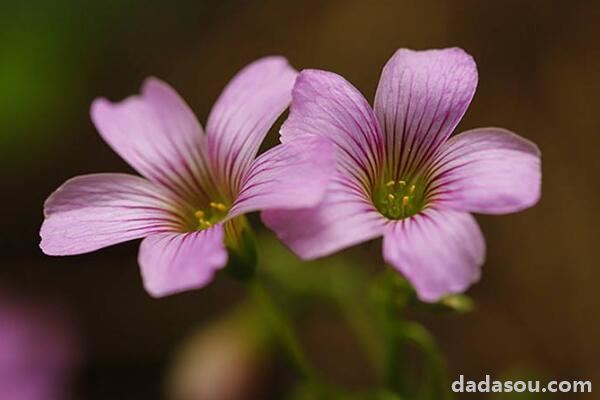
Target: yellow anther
<point>412,189</point>
<point>391,197</point>
<point>405,200</point>
<point>402,183</point>
<point>199,214</point>
<point>390,183</point>
<point>217,206</point>
<point>203,224</point>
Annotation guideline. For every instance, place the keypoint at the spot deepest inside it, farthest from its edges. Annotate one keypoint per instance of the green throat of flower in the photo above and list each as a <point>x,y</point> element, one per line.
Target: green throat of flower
<point>206,218</point>
<point>398,199</point>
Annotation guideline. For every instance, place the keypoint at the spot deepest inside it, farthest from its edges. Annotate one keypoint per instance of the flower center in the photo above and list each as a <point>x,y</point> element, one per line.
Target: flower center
<point>400,199</point>
<point>207,218</point>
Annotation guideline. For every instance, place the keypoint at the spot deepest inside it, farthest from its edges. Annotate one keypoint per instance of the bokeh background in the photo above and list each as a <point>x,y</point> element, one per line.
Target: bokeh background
<point>539,61</point>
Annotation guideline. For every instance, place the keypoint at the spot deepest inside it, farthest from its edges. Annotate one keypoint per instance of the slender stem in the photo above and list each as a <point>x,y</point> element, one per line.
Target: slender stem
<point>396,374</point>
<point>399,334</point>
<point>361,324</point>
<point>390,301</point>
<point>435,385</point>
<point>284,333</point>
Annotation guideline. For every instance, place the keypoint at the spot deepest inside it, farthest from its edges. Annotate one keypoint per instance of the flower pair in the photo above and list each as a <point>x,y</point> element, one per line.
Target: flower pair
<point>344,173</point>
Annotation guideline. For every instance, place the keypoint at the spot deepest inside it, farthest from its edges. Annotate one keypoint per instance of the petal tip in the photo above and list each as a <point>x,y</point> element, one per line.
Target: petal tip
<point>275,65</point>
<point>153,86</point>
<point>45,243</point>
<point>150,81</point>
<point>274,60</point>
<point>98,106</point>
<point>432,295</point>
<point>51,243</point>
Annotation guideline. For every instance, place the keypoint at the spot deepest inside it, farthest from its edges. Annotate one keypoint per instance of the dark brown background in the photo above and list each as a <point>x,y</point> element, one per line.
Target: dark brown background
<point>539,64</point>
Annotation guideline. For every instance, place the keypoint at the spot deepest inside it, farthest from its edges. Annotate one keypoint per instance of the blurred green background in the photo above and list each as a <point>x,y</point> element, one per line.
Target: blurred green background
<point>538,65</point>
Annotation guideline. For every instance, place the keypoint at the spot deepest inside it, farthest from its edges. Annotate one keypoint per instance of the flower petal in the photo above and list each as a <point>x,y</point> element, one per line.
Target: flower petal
<point>325,104</point>
<point>344,218</point>
<point>176,262</point>
<point>93,211</point>
<point>487,170</point>
<point>243,115</point>
<point>288,176</point>
<point>439,251</point>
<point>421,97</point>
<point>159,136</point>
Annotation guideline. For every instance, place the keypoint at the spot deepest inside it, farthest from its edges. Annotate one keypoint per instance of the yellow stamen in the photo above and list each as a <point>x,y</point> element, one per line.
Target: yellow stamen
<point>199,214</point>
<point>390,183</point>
<point>405,200</point>
<point>412,189</point>
<point>391,197</point>
<point>203,224</point>
<point>217,206</point>
<point>402,183</point>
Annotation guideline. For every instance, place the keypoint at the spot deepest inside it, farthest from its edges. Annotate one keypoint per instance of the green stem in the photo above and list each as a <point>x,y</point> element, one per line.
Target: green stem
<point>361,324</point>
<point>396,378</point>
<point>390,299</point>
<point>399,335</point>
<point>281,327</point>
<point>435,385</point>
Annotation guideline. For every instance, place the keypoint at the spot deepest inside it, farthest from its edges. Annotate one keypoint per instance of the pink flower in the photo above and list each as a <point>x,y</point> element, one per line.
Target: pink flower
<point>196,186</point>
<point>400,177</point>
